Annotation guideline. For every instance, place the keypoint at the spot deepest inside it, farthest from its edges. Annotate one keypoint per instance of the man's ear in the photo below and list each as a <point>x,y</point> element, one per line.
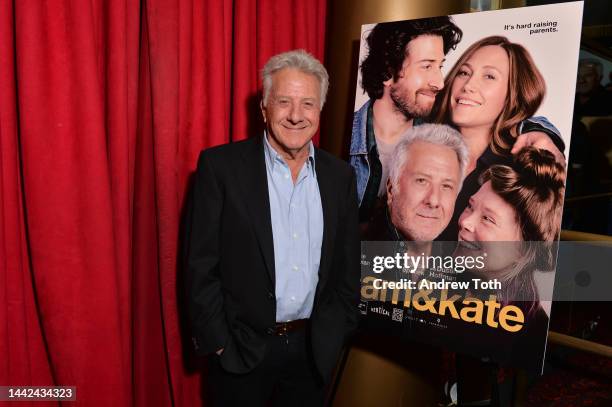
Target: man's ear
<point>263,110</point>
<point>389,192</point>
<point>392,77</point>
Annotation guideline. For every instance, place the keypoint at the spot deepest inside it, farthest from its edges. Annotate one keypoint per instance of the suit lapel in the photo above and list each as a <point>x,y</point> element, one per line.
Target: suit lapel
<point>255,182</point>
<point>328,203</point>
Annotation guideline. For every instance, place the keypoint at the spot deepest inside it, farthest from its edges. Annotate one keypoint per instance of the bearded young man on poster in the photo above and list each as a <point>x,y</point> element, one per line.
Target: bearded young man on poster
<point>273,262</point>
<point>401,74</point>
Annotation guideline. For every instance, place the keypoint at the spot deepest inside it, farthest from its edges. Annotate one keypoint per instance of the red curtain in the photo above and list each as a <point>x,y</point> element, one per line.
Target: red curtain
<point>104,107</point>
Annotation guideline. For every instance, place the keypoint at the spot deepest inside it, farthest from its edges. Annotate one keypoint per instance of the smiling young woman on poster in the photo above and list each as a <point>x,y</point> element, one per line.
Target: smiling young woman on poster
<point>488,95</point>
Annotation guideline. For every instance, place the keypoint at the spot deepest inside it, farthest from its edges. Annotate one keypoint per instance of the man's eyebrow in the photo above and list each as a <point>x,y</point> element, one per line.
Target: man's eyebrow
<point>431,60</point>
<point>289,97</point>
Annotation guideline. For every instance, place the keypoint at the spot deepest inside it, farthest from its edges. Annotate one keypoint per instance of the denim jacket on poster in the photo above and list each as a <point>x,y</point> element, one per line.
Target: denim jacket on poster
<point>359,149</point>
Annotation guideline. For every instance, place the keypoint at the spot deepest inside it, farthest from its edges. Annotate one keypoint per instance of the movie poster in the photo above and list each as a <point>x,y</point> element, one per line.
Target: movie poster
<point>460,141</point>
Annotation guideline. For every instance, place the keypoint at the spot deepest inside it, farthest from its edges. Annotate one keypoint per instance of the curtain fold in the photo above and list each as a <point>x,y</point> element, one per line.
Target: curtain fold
<point>104,108</point>
<point>22,346</point>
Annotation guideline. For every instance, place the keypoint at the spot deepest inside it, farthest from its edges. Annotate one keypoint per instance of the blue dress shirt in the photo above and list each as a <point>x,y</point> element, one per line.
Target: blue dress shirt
<point>297,231</point>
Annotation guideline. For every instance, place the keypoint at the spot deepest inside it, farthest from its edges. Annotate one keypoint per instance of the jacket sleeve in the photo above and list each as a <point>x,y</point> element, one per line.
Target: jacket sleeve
<point>541,123</point>
<point>206,312</point>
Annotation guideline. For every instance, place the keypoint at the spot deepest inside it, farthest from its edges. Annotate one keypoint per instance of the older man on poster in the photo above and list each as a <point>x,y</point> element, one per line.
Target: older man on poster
<point>425,175</point>
<point>273,260</point>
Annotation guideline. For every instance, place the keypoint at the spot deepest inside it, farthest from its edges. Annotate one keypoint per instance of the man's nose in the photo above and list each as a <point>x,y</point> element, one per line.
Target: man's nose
<point>296,114</point>
<point>436,80</point>
<point>432,198</point>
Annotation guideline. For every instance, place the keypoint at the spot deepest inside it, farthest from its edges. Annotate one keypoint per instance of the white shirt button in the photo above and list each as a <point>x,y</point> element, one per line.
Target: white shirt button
<point>286,176</point>
<point>295,235</point>
<point>295,268</point>
<point>292,298</point>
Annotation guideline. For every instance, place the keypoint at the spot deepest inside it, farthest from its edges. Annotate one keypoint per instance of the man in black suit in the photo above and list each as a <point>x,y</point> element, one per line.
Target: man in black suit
<point>273,250</point>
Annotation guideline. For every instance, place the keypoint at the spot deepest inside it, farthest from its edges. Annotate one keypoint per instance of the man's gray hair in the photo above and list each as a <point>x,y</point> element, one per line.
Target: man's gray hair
<point>297,59</point>
<point>439,134</point>
<point>593,63</point>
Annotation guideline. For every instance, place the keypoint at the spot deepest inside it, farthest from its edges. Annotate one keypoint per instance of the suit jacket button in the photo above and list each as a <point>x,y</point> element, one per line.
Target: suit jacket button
<point>271,295</point>
<point>270,331</point>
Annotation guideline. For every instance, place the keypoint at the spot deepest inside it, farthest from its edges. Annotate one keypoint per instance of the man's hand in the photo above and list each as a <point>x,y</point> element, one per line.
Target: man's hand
<point>219,352</point>
<point>538,139</point>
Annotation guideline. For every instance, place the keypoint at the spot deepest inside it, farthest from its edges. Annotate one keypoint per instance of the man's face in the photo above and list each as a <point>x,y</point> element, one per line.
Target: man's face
<point>422,203</point>
<point>292,110</point>
<point>588,79</point>
<point>414,89</point>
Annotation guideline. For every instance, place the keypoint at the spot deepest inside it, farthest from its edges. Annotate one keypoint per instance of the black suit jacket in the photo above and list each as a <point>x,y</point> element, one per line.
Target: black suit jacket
<point>230,257</point>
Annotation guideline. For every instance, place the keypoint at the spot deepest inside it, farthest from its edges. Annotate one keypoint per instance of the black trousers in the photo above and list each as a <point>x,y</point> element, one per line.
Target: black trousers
<point>286,377</point>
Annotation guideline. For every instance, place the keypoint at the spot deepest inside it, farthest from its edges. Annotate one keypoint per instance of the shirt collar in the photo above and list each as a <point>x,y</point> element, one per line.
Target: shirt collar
<point>370,137</point>
<point>273,157</point>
